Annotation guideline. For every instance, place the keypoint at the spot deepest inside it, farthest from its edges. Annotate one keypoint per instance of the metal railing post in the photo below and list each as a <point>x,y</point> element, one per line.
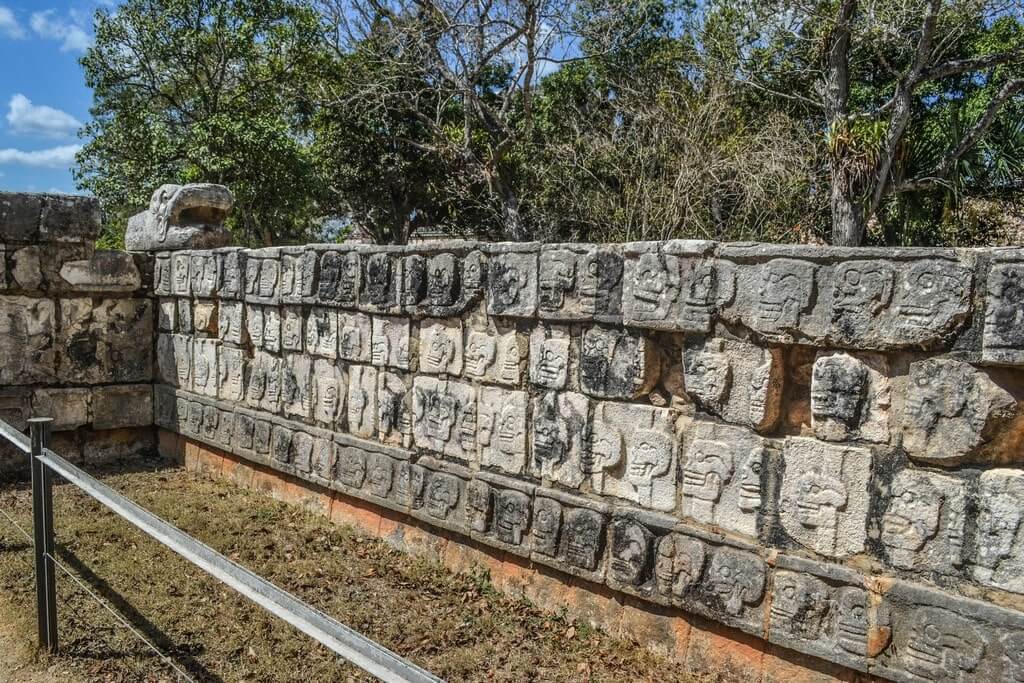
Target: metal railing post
<point>42,523</point>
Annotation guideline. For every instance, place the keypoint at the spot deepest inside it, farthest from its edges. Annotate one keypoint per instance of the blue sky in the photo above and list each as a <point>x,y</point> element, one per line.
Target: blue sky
<point>43,98</point>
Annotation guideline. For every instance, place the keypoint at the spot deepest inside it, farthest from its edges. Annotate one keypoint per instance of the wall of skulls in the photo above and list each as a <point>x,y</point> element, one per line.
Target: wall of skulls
<point>817,446</point>
<point>76,326</point>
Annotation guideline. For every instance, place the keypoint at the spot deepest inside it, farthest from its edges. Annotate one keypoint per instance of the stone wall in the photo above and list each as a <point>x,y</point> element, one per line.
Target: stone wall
<point>818,447</point>
<point>76,329</point>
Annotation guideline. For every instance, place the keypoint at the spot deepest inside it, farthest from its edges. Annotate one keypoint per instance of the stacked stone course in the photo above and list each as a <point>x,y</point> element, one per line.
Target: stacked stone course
<point>819,447</point>
<point>76,328</point>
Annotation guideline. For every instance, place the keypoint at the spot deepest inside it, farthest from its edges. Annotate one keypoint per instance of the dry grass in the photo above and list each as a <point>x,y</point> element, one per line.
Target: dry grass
<point>454,625</point>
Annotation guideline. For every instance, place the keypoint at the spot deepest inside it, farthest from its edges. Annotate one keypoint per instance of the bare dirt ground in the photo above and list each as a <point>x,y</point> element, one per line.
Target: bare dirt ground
<point>456,626</point>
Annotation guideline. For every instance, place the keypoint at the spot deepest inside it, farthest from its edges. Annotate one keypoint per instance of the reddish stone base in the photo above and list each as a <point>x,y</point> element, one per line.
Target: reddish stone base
<point>704,649</point>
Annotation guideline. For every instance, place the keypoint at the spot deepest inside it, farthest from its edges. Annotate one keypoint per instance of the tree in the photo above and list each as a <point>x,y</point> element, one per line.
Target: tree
<point>876,75</point>
<point>197,90</point>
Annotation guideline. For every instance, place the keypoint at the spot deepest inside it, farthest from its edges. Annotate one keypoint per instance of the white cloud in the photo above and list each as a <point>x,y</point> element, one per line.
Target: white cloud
<point>69,32</point>
<point>54,157</point>
<point>26,118</point>
<point>9,25</point>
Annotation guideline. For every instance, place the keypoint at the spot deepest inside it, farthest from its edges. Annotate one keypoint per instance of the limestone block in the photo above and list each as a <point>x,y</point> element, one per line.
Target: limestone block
<point>549,356</point>
<point>298,268</point>
<point>674,285</point>
<point>850,397</point>
<point>842,623</point>
<point>824,500</point>
<point>186,319</point>
<point>414,281</point>
<point>323,463</point>
<point>166,316</point>
<point>362,401</point>
<point>495,355</point>
<point>617,364</point>
<point>389,345</point>
<point>512,283</point>
<point>557,437</point>
<point>951,411</point>
<point>725,477</point>
<point>19,216</point>
<point>580,282</point>
<point>27,340</point>
<point>630,552</point>
<point>231,374</point>
<point>297,385</point>
<point>204,273</point>
<point>263,327</point>
<point>937,636</point>
<point>165,407</point>
<point>281,443</point>
<point>735,380</point>
<point>322,332</point>
<point>330,389</point>
<point>441,346</point>
<point>181,282</point>
<point>125,405</point>
<point>380,475</point>
<point>224,435</point>
<point>445,500</point>
<point>182,217</point>
<point>445,417</point>
<point>263,276</point>
<point>350,465</point>
<point>68,407</point>
<point>100,340</point>
<point>923,524</point>
<point>231,273</point>
<point>394,407</point>
<point>26,272</point>
<point>340,278</point>
<point>69,218</point>
<point>104,271</point>
<point>632,454</point>
<point>292,328</point>
<point>512,519</point>
<point>231,322</point>
<point>204,366</point>
<point>569,533</point>
<point>16,407</point>
<point>263,382</point>
<point>409,486</point>
<point>679,562</point>
<point>244,432</point>
<point>162,275</point>
<point>999,556</point>
<point>443,285</point>
<point>174,360</point>
<point>354,337</point>
<point>3,267</point>
<point>501,431</point>
<point>261,437</point>
<point>381,276</point>
<point>1004,315</point>
<point>204,317</point>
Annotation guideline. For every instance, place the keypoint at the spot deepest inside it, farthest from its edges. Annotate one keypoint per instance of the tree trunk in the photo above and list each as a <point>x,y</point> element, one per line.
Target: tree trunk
<point>512,224</point>
<point>848,220</point>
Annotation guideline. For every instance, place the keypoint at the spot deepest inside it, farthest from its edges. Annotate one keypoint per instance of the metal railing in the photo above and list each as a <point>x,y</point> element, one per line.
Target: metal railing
<point>350,645</point>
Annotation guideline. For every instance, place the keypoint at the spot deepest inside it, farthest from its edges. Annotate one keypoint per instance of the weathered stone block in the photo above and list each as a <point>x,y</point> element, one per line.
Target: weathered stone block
<point>924,522</point>
<point>395,410</point>
<point>174,360</point>
<point>163,275</point>
<point>725,477</point>
<point>580,282</point>
<point>389,345</point>
<point>19,216</point>
<point>186,319</point>
<point>26,272</point>
<point>512,283</point>
<point>445,417</point>
<point>166,316</point>
<point>204,366</point>
<point>441,347</point>
<point>181,282</point>
<point>231,269</point>
<point>100,340</point>
<point>617,364</point>
<point>27,328</point>
<point>204,272</point>
<point>824,500</point>
<point>204,317</point>
<point>632,454</point>
<point>569,533</point>
<point>298,270</point>
<point>263,382</point>
<point>362,401</point>
<point>322,332</point>
<point>999,556</point>
<point>182,217</point>
<point>674,285</point>
<point>292,328</point>
<point>16,407</point>
<point>263,327</point>
<point>330,389</point>
<point>340,278</point>
<point>501,430</point>
<point>354,337</point>
<point>69,218</point>
<point>951,411</point>
<point>297,385</point>
<point>231,322</point>
<point>69,407</point>
<point>850,397</point>
<point>549,356</point>
<point>126,405</point>
<point>735,380</point>
<point>263,276</point>
<point>381,278</point>
<point>495,355</point>
<point>557,443</point>
<point>231,374</point>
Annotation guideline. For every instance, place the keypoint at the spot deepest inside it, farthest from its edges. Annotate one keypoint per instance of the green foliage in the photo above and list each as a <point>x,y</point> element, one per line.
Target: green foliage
<point>195,90</point>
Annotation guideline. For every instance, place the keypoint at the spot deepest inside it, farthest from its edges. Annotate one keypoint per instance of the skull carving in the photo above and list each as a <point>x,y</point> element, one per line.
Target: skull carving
<point>547,526</point>
<point>784,294</point>
<point>480,354</point>
<point>737,579</point>
<point>606,446</point>
<point>583,532</point>
<point>351,466</point>
<point>479,504</point>
<point>506,285</point>
<point>799,605</point>
<point>839,387</point>
<point>512,517</point>
<point>941,646</point>
<point>1001,503</point>
<point>708,377</point>
<point>820,497</point>
<point>441,282</point>
<point>678,565</point>
<point>414,280</point>
<point>443,495</point>
<point>709,467</point>
<point>750,481</point>
<point>379,279</point>
<point>862,290</point>
<point>853,623</point>
<point>557,277</point>
<point>630,554</point>
<point>912,518</point>
<point>655,286</point>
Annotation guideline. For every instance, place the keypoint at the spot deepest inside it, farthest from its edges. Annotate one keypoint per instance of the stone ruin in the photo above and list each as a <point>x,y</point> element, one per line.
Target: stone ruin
<point>819,447</point>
